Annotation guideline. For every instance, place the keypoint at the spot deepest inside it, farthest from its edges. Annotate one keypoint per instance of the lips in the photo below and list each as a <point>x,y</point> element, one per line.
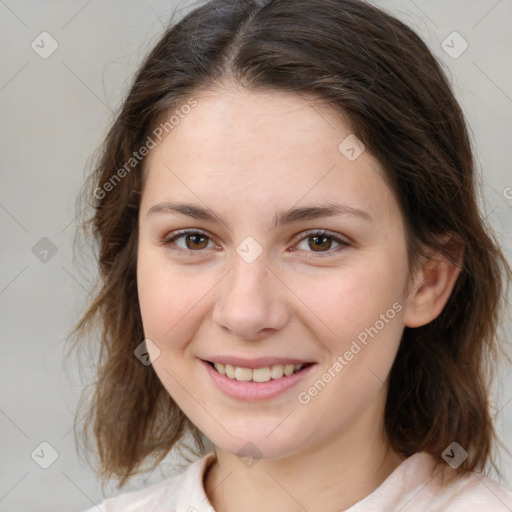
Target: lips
<point>254,383</point>
<point>261,369</point>
<point>261,374</point>
<point>257,362</point>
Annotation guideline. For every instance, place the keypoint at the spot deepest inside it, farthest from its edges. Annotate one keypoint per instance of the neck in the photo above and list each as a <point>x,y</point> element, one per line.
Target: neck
<point>332,476</point>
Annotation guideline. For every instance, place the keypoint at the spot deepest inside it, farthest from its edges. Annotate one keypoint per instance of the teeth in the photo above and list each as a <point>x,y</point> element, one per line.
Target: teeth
<point>230,371</point>
<point>288,369</point>
<point>263,374</point>
<point>243,373</point>
<point>277,371</point>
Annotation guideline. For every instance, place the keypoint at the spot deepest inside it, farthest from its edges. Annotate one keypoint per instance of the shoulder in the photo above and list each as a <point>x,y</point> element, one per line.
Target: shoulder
<point>419,484</point>
<point>440,489</point>
<point>181,492</point>
<point>478,491</point>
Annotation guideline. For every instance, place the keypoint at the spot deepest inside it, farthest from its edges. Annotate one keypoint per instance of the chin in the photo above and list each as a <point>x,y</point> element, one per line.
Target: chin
<point>262,442</point>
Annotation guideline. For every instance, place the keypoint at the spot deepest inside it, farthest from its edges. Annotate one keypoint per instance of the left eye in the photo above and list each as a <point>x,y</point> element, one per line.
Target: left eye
<point>319,241</point>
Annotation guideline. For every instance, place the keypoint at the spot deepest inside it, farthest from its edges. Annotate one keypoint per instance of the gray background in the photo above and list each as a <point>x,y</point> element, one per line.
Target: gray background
<point>55,112</point>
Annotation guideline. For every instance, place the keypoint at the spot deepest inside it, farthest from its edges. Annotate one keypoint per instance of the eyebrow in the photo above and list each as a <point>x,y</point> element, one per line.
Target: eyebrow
<point>282,218</point>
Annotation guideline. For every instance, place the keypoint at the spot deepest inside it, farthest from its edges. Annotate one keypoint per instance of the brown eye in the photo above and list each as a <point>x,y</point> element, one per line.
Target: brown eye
<point>320,241</point>
<point>197,241</point>
<point>193,241</point>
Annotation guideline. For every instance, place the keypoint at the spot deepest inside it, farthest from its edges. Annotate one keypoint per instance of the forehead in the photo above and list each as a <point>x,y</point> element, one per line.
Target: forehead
<point>257,148</point>
<point>249,123</point>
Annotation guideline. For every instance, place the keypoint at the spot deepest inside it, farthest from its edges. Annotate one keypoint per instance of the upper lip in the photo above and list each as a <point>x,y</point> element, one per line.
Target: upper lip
<point>257,362</point>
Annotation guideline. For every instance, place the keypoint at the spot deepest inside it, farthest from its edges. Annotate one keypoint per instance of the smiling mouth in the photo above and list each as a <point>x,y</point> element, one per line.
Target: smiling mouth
<point>263,374</point>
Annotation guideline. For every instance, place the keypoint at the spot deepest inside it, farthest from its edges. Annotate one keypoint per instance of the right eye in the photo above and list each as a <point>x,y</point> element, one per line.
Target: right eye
<point>194,240</point>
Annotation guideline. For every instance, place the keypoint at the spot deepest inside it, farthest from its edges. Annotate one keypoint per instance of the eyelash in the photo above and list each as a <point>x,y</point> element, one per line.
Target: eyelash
<point>171,237</point>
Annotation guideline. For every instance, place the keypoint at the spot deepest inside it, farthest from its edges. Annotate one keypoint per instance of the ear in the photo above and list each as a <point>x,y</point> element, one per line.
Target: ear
<point>433,282</point>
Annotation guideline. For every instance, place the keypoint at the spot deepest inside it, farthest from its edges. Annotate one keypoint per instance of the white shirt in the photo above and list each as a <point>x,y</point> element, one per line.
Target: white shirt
<point>412,487</point>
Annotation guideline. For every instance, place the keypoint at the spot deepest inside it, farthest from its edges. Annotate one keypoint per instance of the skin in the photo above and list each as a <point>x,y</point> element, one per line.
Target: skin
<point>247,156</point>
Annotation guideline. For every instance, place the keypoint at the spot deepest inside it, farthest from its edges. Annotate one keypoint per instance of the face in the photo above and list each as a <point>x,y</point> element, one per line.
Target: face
<point>295,254</point>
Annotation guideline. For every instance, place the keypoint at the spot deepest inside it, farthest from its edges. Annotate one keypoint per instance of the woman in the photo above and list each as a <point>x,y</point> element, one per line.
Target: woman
<point>294,268</point>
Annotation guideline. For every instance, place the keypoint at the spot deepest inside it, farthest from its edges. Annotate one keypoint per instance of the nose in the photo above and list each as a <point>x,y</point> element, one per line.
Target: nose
<point>251,301</point>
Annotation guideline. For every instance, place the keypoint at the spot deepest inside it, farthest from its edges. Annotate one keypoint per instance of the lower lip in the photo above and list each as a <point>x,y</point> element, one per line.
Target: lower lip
<point>249,390</point>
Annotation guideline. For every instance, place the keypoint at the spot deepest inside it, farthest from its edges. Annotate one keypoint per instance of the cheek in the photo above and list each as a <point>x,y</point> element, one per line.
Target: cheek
<point>359,302</point>
<point>169,298</point>
<point>362,308</point>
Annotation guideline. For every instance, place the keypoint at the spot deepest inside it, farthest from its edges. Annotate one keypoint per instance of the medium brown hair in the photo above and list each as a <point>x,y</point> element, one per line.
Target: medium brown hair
<point>373,69</point>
